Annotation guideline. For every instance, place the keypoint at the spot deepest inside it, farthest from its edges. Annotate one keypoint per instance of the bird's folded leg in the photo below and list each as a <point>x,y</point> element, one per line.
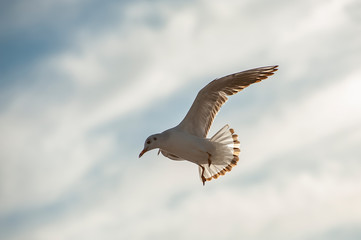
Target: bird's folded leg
<point>209,159</point>
<point>202,175</point>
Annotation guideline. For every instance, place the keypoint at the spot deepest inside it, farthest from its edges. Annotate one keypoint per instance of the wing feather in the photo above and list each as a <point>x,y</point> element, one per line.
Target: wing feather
<point>211,98</point>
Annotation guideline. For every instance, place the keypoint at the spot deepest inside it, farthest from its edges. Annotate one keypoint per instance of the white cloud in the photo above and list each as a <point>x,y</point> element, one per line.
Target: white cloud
<point>50,148</point>
<point>53,138</point>
<point>321,115</point>
<point>323,17</point>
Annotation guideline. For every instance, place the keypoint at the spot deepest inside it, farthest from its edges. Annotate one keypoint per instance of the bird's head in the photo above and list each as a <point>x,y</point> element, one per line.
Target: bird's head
<point>150,143</point>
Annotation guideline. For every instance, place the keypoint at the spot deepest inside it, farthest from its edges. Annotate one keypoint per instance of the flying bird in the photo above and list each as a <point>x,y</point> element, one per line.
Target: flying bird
<point>188,140</point>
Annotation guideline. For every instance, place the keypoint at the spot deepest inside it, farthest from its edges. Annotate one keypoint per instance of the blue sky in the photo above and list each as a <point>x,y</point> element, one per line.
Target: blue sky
<point>83,83</point>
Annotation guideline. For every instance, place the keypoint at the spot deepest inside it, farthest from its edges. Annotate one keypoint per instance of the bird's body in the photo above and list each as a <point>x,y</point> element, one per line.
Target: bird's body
<point>187,146</point>
<point>188,141</point>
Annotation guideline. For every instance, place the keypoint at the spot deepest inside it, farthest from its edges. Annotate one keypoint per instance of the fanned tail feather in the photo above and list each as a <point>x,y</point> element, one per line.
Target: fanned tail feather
<point>226,156</point>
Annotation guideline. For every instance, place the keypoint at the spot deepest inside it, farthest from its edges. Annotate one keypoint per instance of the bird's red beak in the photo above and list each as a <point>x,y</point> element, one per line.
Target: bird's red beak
<point>142,152</point>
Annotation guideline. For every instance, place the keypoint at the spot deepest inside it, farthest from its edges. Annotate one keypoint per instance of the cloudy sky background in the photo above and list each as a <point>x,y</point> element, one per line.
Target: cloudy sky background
<point>83,83</point>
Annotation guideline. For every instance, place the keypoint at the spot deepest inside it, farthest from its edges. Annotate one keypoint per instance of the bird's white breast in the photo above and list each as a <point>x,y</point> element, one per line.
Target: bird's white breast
<point>187,146</point>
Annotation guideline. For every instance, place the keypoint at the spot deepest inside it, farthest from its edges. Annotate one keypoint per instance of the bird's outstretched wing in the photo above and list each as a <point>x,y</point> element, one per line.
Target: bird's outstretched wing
<point>210,98</point>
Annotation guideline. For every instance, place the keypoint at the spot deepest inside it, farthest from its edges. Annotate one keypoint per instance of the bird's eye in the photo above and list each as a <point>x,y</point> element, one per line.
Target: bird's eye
<point>155,139</point>
<point>148,142</point>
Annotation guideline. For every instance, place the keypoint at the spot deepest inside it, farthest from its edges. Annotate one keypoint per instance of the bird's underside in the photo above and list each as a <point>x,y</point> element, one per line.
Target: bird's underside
<point>219,157</point>
<point>169,155</point>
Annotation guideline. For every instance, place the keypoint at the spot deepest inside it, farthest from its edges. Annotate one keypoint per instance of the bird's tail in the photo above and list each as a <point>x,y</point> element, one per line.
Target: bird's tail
<point>224,158</point>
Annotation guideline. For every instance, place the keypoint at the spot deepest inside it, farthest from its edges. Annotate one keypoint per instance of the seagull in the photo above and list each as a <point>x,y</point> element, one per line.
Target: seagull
<point>188,140</point>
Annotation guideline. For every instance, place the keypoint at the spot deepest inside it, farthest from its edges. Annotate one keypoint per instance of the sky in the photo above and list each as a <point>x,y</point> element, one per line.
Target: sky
<point>84,83</point>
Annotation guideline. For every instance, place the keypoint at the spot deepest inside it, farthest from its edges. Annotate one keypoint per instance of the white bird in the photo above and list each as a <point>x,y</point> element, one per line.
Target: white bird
<point>188,141</point>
